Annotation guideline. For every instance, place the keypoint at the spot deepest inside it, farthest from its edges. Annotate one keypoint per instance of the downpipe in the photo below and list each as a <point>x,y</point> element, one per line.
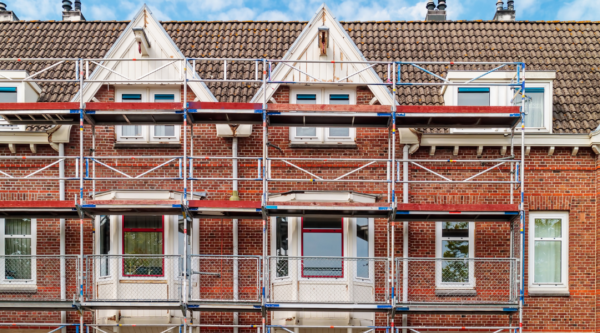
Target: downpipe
<point>62,228</point>
<point>235,197</point>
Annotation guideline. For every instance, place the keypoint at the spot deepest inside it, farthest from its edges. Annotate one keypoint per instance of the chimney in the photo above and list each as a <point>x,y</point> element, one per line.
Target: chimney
<point>434,14</point>
<point>505,14</point>
<point>7,15</point>
<point>71,14</point>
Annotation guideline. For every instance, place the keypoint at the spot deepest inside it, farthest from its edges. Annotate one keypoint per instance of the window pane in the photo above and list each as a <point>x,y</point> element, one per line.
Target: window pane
<point>340,99</point>
<point>281,246</point>
<point>547,261</point>
<point>548,228</point>
<point>131,130</point>
<point>334,131</point>
<point>322,223</point>
<point>455,229</point>
<point>362,247</point>
<point>19,227</point>
<point>316,244</point>
<point>473,96</point>
<point>8,95</point>
<point>18,268</point>
<point>164,97</point>
<point>306,131</point>
<point>306,99</point>
<point>534,107</point>
<point>143,242</point>
<point>104,244</point>
<point>164,130</point>
<point>131,98</point>
<point>455,271</point>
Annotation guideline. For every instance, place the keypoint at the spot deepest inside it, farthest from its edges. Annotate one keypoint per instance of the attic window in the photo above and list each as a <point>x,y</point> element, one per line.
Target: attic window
<point>323,40</point>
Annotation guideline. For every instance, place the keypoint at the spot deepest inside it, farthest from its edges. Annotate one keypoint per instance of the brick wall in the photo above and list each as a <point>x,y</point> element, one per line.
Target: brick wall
<point>560,182</point>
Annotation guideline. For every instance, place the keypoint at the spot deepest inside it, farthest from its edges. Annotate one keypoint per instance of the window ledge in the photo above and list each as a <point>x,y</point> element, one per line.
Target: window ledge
<point>455,292</point>
<point>548,292</point>
<point>147,145</point>
<point>320,145</point>
<point>21,288</point>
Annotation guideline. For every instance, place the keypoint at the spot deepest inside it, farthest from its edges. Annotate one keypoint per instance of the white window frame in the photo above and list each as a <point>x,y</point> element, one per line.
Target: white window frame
<point>502,96</point>
<point>322,136</point>
<point>352,230</point>
<point>148,131</point>
<point>438,262</point>
<point>4,125</point>
<point>549,287</point>
<point>33,238</point>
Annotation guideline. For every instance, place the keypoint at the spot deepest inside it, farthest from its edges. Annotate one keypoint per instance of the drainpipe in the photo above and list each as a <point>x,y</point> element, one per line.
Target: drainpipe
<point>235,197</point>
<point>405,156</point>
<point>61,191</point>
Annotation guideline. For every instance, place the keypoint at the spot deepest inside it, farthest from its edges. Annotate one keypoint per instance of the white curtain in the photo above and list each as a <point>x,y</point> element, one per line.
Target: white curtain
<point>132,130</point>
<point>534,109</point>
<point>548,250</point>
<point>164,130</point>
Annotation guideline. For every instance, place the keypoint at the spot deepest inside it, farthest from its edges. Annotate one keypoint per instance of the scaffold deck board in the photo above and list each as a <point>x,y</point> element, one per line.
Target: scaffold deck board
<point>328,209</point>
<point>496,309</point>
<point>452,212</point>
<point>132,207</point>
<point>37,306</point>
<point>38,209</point>
<point>417,116</point>
<point>225,209</point>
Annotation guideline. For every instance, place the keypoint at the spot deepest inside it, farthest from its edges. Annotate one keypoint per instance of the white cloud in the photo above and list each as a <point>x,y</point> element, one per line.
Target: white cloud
<point>99,13</point>
<point>239,14</point>
<point>36,9</point>
<point>579,10</point>
<point>273,15</point>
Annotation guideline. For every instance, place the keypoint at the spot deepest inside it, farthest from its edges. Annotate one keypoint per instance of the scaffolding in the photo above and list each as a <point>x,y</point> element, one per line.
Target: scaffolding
<point>394,298</point>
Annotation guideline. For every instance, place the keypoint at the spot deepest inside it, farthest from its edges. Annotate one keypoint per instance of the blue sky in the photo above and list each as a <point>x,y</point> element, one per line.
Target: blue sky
<point>297,10</point>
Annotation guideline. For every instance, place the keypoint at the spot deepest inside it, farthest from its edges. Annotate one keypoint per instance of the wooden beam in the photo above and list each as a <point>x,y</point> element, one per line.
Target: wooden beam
<point>39,106</point>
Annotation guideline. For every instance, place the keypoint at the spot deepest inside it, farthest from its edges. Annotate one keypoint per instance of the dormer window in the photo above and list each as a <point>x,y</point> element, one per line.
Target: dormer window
<point>538,97</point>
<point>8,94</point>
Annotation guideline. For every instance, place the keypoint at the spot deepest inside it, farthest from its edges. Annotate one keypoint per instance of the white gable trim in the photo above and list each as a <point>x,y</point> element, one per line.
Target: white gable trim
<point>340,37</point>
<point>162,43</point>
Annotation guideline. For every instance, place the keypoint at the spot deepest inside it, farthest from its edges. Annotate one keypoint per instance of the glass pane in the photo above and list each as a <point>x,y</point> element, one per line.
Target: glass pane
<point>8,95</point>
<point>18,268</point>
<point>131,130</point>
<point>281,246</point>
<point>164,97</point>
<point>18,227</point>
<point>455,229</point>
<point>474,98</point>
<point>131,98</point>
<point>104,245</point>
<point>547,262</point>
<point>143,242</point>
<point>455,271</point>
<point>339,99</point>
<point>306,131</point>
<point>334,131</point>
<point>362,247</point>
<point>143,222</point>
<point>316,244</point>
<point>164,130</point>
<point>306,99</point>
<point>548,228</point>
<point>322,223</point>
<point>534,108</point>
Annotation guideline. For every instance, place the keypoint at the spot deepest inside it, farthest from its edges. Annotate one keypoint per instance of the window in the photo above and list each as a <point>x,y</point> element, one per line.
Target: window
<point>454,246</point>
<point>18,247</point>
<point>144,133</point>
<point>534,106</point>
<point>8,95</point>
<point>322,237</point>
<point>362,248</point>
<point>282,246</point>
<point>548,250</point>
<point>143,235</point>
<point>104,245</point>
<point>319,135</point>
<point>473,97</point>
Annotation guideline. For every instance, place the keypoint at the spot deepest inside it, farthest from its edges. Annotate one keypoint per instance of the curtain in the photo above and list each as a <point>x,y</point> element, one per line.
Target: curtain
<point>131,130</point>
<point>534,109</point>
<point>548,251</point>
<point>164,130</point>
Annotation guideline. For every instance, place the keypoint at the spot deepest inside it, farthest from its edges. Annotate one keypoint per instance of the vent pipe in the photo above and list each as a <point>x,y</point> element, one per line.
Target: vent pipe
<point>436,14</point>
<point>442,5</point>
<point>7,15</point>
<point>499,5</point>
<point>511,4</point>
<point>430,5</point>
<point>78,5</point>
<point>66,4</point>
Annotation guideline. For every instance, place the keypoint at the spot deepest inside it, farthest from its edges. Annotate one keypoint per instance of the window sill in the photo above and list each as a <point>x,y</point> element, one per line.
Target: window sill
<point>147,145</point>
<point>7,289</point>
<point>455,292</point>
<point>321,145</point>
<point>548,292</point>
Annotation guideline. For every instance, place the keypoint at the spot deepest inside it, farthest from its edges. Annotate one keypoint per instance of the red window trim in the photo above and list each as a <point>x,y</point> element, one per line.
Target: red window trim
<point>161,230</point>
<point>333,231</point>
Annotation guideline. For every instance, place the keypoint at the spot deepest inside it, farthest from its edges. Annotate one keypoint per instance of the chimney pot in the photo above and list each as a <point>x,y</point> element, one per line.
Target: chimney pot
<point>500,5</point>
<point>511,4</point>
<point>2,7</point>
<point>78,5</point>
<point>442,5</point>
<point>66,5</point>
<point>430,5</point>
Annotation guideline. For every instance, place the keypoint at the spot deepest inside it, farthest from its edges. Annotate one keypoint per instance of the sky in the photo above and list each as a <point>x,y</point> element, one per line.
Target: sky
<point>302,10</point>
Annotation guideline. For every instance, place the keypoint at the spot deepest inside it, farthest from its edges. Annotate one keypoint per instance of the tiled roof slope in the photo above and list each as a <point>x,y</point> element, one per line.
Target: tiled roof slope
<point>39,39</point>
<point>233,40</point>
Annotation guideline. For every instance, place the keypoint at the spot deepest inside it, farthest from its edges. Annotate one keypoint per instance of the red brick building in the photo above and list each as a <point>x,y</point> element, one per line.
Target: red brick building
<point>321,175</point>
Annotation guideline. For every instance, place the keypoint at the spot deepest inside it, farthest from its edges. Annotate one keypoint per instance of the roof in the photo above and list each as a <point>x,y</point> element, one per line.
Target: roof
<point>570,48</point>
<point>39,39</point>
